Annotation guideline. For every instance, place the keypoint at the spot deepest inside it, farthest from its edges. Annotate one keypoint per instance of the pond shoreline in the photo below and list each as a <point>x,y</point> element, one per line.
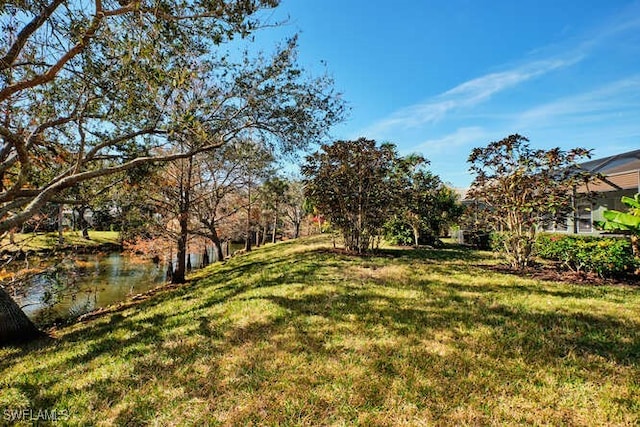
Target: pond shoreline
<point>132,301</point>
<point>21,254</point>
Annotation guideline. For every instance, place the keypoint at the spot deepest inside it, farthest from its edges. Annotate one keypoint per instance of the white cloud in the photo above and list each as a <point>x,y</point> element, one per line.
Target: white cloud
<point>476,91</point>
<point>613,98</point>
<point>465,95</point>
<point>462,137</point>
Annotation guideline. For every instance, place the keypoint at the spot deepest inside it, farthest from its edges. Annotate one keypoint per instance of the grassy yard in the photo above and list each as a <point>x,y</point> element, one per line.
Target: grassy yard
<point>42,241</point>
<point>295,333</point>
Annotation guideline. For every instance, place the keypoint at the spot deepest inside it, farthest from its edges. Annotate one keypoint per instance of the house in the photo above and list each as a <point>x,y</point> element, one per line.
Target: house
<point>620,176</point>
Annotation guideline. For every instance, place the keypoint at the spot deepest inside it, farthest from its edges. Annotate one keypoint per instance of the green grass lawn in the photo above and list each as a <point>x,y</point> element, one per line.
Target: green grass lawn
<point>295,333</point>
<point>41,241</point>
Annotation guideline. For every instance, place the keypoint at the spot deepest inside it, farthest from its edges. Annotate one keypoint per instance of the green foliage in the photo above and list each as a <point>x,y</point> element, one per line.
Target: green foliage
<point>398,232</point>
<point>93,90</point>
<point>351,183</point>
<point>626,222</point>
<point>496,241</point>
<point>363,188</point>
<point>623,221</point>
<point>601,255</point>
<point>425,203</point>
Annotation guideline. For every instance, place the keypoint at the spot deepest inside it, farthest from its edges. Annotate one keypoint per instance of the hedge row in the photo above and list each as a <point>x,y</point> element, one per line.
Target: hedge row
<point>606,256</point>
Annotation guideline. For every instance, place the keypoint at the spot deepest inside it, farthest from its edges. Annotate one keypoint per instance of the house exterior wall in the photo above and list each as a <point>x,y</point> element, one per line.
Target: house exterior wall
<point>619,176</point>
<point>603,201</point>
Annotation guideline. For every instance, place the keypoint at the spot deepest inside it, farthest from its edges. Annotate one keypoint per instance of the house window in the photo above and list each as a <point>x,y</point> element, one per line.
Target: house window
<point>585,221</point>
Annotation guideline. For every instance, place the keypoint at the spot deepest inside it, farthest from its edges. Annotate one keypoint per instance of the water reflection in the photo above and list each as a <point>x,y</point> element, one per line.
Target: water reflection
<point>88,282</point>
<point>83,283</point>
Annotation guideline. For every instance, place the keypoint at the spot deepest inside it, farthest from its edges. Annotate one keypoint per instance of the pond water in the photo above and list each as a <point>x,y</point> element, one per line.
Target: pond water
<point>86,282</point>
<point>83,283</point>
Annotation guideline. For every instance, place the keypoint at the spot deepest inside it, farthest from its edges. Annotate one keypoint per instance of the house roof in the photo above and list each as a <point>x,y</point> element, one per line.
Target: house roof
<point>619,172</point>
<point>624,162</point>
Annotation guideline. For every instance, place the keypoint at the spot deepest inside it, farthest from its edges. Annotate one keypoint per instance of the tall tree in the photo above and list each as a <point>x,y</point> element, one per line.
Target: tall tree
<point>518,188</point>
<point>275,192</point>
<point>84,82</point>
<point>81,81</point>
<point>254,172</point>
<point>294,208</point>
<point>349,182</point>
<point>182,200</point>
<point>425,204</point>
<point>223,174</point>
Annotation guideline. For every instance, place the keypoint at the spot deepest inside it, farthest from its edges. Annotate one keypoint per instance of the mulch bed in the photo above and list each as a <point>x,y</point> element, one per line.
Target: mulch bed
<point>555,274</point>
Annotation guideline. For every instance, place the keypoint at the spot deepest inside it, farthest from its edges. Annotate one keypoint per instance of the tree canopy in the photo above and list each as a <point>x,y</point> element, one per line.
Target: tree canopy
<point>94,89</point>
<point>89,89</point>
<point>360,185</point>
<point>349,182</point>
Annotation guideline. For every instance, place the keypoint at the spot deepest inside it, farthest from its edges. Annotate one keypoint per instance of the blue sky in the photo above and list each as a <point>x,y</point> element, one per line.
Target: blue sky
<point>442,77</point>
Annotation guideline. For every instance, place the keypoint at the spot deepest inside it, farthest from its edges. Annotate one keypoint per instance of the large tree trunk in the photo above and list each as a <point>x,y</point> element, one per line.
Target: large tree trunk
<point>84,224</point>
<point>296,225</point>
<point>14,324</point>
<point>217,244</point>
<point>179,275</point>
<point>264,233</point>
<point>248,241</point>
<point>181,267</point>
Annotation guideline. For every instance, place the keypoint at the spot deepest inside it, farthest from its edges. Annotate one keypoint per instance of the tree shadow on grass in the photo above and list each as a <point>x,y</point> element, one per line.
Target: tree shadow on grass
<point>292,269</point>
<point>16,351</point>
<point>535,336</point>
<point>541,338</point>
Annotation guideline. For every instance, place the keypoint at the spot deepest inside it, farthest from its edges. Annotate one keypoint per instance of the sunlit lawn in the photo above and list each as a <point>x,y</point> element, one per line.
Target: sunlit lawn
<point>40,241</point>
<point>294,334</point>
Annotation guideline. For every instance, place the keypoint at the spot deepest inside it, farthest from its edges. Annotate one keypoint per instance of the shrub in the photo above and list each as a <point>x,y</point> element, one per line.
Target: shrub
<point>398,232</point>
<point>496,241</point>
<point>479,239</point>
<point>604,256</point>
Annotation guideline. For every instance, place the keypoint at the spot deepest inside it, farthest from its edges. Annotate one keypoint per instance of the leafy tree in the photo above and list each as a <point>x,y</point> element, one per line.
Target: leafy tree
<point>295,206</point>
<point>351,183</point>
<point>426,205</point>
<point>223,176</point>
<point>275,191</point>
<point>518,188</point>
<point>80,83</point>
<point>254,171</point>
<point>176,201</point>
<point>123,81</point>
